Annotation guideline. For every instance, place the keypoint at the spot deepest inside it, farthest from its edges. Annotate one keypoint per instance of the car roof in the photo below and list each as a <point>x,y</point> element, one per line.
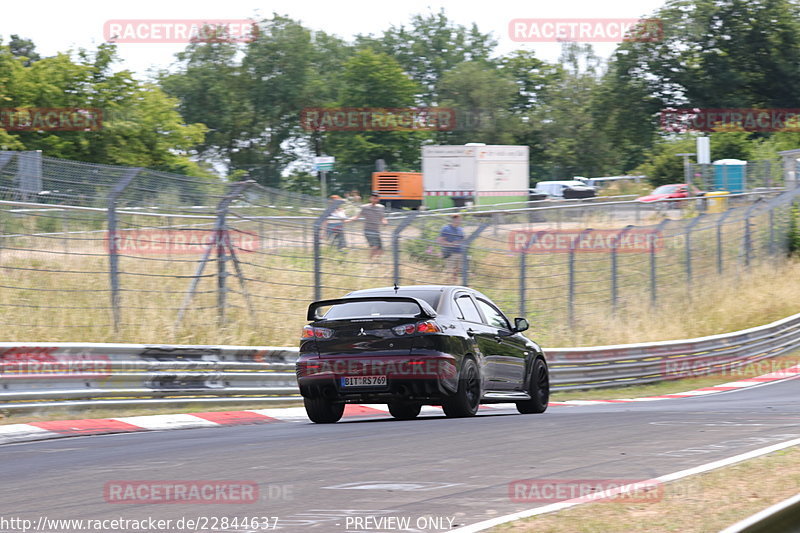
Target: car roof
<point>561,182</point>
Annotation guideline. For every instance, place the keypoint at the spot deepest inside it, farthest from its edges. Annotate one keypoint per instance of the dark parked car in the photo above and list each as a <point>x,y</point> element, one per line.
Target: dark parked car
<point>417,345</point>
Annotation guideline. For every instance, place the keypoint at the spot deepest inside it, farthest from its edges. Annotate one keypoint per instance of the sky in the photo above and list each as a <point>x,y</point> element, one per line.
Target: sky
<point>56,26</point>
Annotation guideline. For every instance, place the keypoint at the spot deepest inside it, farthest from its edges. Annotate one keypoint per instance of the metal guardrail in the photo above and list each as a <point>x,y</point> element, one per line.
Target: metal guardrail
<point>783,517</point>
<point>72,374</point>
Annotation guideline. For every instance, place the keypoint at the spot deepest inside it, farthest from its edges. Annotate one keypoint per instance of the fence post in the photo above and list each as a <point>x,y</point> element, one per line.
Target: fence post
<point>614,284</point>
<point>113,258</point>
<point>65,229</point>
<point>522,281</point>
<point>396,243</point>
<point>720,221</point>
<point>465,254</point>
<point>748,237</point>
<point>653,270</point>
<point>318,246</point>
<point>571,284</point>
<point>771,232</point>
<point>689,227</point>
<point>221,242</point>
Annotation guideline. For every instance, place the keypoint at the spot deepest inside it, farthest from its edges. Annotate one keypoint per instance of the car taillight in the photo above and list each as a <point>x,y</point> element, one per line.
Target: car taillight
<point>310,332</point>
<point>421,327</point>
<point>428,327</point>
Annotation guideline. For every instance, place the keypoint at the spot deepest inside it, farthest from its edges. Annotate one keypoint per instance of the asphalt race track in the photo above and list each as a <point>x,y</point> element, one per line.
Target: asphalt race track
<point>438,473</point>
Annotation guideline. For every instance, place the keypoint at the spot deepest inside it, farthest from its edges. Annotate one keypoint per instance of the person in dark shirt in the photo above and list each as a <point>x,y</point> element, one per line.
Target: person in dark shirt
<point>451,239</point>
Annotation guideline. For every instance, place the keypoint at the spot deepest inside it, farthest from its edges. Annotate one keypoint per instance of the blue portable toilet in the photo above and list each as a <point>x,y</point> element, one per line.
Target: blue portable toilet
<point>730,175</point>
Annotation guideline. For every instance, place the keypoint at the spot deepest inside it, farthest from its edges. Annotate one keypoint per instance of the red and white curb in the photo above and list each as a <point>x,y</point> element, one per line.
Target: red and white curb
<point>33,431</point>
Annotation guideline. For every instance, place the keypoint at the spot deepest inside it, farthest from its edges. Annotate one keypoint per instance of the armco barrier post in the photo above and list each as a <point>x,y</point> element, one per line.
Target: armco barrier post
<point>396,243</point>
<point>465,253</point>
<point>614,282</point>
<point>318,246</point>
<point>113,259</point>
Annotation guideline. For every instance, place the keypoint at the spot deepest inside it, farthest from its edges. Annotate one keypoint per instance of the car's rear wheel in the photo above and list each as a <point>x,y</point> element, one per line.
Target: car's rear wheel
<point>468,397</point>
<point>404,410</point>
<point>538,389</point>
<point>323,411</point>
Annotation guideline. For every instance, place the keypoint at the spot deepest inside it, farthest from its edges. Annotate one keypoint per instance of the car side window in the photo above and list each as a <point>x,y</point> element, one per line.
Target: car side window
<point>493,316</point>
<point>468,310</point>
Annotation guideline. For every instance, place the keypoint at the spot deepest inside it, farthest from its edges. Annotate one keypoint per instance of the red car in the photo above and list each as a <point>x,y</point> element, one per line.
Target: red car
<point>666,192</point>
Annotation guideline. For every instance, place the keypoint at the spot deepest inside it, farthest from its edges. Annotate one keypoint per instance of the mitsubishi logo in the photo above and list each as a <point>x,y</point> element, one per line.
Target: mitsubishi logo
<point>362,332</point>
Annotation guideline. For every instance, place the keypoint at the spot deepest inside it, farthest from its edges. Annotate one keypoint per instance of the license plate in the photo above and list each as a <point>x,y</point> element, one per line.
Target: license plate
<point>363,381</point>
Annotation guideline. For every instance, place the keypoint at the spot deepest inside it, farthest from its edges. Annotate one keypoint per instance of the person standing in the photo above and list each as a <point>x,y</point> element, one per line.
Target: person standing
<point>334,225</point>
<point>451,239</point>
<point>374,215</point>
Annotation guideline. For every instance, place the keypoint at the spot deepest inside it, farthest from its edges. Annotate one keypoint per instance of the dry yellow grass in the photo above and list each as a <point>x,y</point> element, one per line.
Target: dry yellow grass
<point>705,503</point>
<point>53,305</point>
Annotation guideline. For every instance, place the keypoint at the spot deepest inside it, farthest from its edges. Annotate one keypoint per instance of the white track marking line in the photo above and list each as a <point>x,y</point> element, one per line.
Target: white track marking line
<point>486,524</point>
<point>156,422</point>
<point>23,432</point>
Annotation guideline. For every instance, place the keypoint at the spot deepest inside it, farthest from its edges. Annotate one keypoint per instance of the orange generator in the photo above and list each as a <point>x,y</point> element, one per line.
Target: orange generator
<point>398,189</point>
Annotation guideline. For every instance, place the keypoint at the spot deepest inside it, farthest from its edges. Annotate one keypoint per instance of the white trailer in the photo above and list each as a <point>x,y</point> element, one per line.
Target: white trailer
<point>481,174</point>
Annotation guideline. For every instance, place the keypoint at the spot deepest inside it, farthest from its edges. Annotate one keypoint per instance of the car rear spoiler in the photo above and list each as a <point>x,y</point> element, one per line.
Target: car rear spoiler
<point>425,309</point>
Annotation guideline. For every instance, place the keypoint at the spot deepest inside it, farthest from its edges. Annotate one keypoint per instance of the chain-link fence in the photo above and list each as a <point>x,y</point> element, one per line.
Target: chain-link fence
<point>124,254</point>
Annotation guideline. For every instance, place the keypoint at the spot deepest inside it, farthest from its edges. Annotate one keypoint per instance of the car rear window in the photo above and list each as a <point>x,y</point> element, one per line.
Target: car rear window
<point>371,309</point>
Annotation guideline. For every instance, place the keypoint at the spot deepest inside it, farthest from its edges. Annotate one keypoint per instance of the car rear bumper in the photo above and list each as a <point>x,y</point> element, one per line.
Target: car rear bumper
<point>422,377</point>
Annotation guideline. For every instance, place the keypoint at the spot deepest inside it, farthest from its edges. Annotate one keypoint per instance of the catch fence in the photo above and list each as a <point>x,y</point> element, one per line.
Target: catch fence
<point>125,254</point>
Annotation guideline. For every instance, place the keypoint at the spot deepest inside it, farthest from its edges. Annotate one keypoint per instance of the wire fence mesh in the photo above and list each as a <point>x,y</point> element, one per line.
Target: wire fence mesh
<point>120,254</point>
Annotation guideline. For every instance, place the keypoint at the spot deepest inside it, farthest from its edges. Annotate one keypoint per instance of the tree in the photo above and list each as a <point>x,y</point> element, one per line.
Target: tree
<point>372,79</point>
<point>713,54</point>
<point>140,124</point>
<point>572,144</point>
<point>663,165</point>
<point>431,46</point>
<point>483,98</point>
<point>23,49</point>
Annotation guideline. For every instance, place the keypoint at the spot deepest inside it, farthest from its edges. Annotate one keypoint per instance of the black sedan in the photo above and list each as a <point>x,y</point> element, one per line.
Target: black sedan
<point>417,345</point>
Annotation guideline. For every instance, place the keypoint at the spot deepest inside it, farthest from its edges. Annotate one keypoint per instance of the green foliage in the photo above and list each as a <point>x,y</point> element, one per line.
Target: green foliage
<point>793,235</point>
<point>424,249</point>
<point>483,96</point>
<point>141,124</point>
<point>373,79</point>
<point>431,46</point>
<point>302,182</point>
<point>238,106</point>
<point>664,166</point>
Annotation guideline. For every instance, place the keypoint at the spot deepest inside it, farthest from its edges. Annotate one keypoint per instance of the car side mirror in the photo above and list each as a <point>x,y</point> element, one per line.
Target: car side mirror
<point>520,324</point>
